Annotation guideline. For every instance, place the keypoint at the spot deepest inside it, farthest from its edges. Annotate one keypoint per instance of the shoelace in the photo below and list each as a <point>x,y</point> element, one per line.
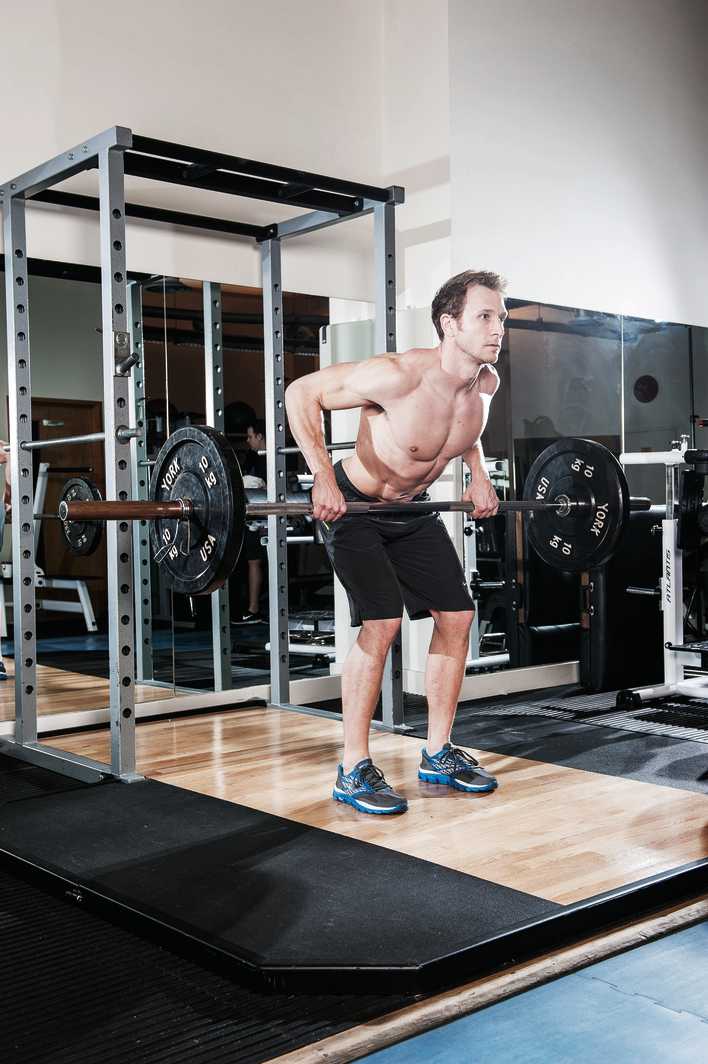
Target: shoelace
<point>374,777</point>
<point>458,755</point>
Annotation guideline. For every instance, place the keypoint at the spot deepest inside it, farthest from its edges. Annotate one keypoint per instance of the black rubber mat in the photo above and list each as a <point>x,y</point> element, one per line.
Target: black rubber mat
<point>518,727</point>
<point>681,713</point>
<point>19,780</point>
<point>77,988</point>
<point>270,891</point>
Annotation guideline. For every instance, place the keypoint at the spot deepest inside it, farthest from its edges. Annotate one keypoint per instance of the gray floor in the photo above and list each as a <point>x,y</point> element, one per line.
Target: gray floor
<point>649,1005</point>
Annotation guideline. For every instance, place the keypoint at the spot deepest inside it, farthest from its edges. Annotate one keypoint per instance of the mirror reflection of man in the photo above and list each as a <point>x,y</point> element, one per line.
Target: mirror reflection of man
<point>254,477</point>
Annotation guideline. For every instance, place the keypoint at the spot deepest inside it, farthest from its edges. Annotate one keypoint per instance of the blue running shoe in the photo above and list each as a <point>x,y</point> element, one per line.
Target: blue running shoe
<point>366,789</point>
<point>454,767</point>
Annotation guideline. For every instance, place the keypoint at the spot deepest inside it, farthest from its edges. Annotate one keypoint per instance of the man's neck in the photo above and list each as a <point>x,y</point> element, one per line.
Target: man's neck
<point>461,367</point>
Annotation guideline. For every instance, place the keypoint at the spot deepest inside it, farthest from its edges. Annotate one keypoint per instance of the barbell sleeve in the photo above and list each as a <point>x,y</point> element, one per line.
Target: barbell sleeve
<point>130,510</point>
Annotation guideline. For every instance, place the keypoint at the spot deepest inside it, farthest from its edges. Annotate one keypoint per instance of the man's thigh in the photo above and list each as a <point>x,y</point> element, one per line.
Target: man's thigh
<point>428,569</point>
<point>359,558</point>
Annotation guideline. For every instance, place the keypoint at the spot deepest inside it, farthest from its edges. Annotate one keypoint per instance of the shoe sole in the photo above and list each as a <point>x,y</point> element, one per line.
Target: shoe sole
<point>349,799</point>
<point>450,781</point>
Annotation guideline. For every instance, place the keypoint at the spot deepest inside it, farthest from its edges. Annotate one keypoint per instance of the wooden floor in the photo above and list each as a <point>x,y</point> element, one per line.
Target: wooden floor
<point>60,691</point>
<point>559,833</point>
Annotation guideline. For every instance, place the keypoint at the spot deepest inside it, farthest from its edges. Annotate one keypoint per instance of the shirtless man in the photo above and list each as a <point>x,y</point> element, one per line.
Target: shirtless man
<point>419,410</point>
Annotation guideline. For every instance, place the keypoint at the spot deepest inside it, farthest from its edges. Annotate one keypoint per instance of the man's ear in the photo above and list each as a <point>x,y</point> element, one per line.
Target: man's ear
<point>446,323</point>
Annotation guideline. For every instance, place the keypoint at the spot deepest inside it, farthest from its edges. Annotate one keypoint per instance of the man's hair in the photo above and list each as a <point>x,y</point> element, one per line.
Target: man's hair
<point>258,427</point>
<point>450,299</point>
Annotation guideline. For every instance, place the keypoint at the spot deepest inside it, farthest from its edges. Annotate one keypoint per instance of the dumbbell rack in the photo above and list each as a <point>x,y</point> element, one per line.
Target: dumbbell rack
<point>678,656</point>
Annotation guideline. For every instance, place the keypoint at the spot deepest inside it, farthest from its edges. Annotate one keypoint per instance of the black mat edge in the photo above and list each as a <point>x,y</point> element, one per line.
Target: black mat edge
<point>73,891</point>
<point>603,912</point>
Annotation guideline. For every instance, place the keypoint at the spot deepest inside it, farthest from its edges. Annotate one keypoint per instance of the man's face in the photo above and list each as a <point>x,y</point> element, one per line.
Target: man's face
<point>479,330</point>
<point>254,439</point>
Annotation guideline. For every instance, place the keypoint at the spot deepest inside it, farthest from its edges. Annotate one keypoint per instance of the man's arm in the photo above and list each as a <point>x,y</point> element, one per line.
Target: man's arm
<point>349,385</point>
<point>343,387</point>
<point>480,490</point>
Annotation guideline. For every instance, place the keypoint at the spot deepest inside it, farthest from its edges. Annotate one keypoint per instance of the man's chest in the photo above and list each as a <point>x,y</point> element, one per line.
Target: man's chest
<point>427,426</point>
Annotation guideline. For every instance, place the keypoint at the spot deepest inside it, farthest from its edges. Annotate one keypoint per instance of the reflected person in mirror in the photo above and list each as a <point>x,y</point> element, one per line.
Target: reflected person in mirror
<point>419,410</point>
<point>254,476</point>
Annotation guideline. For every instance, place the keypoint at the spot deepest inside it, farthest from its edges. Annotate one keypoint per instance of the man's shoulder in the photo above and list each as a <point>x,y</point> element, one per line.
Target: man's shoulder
<point>488,380</point>
<point>418,359</point>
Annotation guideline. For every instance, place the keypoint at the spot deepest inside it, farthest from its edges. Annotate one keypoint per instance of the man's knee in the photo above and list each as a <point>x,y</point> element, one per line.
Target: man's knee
<point>380,633</point>
<point>453,623</point>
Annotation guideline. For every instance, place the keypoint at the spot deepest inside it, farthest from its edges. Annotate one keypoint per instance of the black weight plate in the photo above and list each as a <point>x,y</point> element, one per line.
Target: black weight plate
<point>197,556</point>
<point>81,537</point>
<point>587,472</point>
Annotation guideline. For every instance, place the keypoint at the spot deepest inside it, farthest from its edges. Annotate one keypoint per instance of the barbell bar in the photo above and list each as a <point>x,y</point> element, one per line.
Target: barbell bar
<point>123,434</point>
<point>576,499</point>
<point>348,446</point>
<point>181,509</point>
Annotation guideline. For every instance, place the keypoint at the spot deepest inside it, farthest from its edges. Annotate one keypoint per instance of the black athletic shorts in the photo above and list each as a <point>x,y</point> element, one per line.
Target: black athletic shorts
<point>386,562</point>
<point>252,549</point>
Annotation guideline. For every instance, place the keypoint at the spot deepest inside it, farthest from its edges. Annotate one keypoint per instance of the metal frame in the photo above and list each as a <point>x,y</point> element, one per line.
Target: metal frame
<point>142,574</point>
<point>671,583</point>
<point>214,382</point>
<point>115,153</point>
<point>393,712</point>
<point>275,465</point>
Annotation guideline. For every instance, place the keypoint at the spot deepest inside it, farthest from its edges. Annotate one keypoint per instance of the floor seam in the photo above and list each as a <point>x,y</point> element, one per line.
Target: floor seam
<point>644,997</point>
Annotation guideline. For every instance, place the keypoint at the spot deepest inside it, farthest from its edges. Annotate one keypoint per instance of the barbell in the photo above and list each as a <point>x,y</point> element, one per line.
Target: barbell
<point>575,496</point>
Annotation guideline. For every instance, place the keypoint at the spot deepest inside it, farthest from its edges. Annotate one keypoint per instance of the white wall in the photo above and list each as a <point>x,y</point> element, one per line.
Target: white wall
<point>65,347</point>
<point>579,149</point>
<point>299,85</point>
<point>416,142</point>
<point>358,89</point>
